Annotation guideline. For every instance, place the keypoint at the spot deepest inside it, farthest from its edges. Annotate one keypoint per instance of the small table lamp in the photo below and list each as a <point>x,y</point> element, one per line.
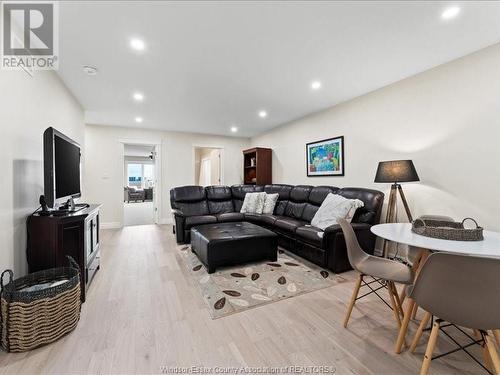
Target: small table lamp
<point>394,172</point>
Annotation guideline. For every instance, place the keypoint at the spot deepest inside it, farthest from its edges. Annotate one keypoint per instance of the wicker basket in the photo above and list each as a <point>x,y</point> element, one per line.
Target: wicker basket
<point>30,319</point>
<point>447,230</point>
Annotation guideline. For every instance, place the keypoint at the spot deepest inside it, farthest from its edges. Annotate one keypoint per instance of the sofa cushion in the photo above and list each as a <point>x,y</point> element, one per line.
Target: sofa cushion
<point>191,200</point>
<point>253,203</point>
<point>311,235</point>
<point>230,216</point>
<point>319,193</point>
<point>335,207</point>
<point>288,224</point>
<point>261,219</point>
<point>238,193</point>
<point>298,200</point>
<point>192,221</point>
<point>269,203</point>
<point>373,199</point>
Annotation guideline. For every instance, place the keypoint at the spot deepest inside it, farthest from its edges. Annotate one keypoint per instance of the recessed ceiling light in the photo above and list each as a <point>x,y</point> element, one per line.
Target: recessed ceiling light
<point>262,114</point>
<point>90,70</point>
<point>234,129</point>
<point>138,119</point>
<point>138,96</point>
<point>316,85</point>
<point>137,44</point>
<point>450,13</point>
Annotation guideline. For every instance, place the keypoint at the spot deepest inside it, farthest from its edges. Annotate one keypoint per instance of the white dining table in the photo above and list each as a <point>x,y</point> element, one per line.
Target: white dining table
<point>402,233</point>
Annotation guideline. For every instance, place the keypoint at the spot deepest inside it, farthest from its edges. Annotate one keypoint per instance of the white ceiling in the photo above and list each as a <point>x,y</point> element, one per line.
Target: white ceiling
<point>212,65</point>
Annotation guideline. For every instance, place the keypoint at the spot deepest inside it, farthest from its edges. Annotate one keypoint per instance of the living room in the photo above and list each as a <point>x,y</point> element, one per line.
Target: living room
<point>385,109</point>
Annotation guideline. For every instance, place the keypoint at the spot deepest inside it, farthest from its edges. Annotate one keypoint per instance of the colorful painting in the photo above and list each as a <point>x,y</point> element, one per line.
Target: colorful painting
<point>325,158</point>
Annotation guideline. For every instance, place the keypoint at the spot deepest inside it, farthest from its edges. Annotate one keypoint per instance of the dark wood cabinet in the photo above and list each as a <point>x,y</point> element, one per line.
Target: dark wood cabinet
<point>51,238</point>
<point>257,166</point>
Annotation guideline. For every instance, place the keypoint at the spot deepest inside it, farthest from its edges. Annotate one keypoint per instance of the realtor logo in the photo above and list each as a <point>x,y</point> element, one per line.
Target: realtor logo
<point>29,35</point>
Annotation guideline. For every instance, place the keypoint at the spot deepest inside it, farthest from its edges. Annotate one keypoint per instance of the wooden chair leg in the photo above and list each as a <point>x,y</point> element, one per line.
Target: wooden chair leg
<point>414,312</point>
<point>490,345</point>
<point>355,293</point>
<point>486,355</point>
<point>394,305</point>
<point>496,333</point>
<point>402,296</point>
<point>398,300</point>
<point>430,348</point>
<point>421,327</point>
<point>404,326</point>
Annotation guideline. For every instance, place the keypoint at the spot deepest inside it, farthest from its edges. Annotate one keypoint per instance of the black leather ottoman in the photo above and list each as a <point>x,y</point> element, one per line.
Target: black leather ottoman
<point>227,244</point>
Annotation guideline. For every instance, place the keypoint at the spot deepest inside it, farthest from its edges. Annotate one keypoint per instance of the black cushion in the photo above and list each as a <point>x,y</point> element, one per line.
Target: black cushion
<point>298,199</point>
<point>218,193</point>
<point>192,221</point>
<point>288,225</point>
<point>191,200</point>
<point>310,235</point>
<point>319,193</point>
<point>281,189</point>
<point>309,212</point>
<point>230,216</point>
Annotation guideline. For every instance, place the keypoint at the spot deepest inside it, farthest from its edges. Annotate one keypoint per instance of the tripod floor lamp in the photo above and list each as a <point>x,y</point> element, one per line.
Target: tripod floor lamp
<point>394,172</point>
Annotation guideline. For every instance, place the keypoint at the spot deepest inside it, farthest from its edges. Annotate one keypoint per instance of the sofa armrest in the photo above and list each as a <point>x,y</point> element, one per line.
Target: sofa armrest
<point>337,258</point>
<point>177,212</point>
<point>179,225</point>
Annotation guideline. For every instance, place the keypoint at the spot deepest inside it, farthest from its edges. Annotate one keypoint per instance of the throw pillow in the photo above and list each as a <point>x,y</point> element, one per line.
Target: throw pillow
<point>253,203</point>
<point>269,203</point>
<point>335,207</point>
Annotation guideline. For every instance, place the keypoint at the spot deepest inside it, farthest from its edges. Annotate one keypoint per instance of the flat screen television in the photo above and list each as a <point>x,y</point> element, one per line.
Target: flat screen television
<point>61,159</point>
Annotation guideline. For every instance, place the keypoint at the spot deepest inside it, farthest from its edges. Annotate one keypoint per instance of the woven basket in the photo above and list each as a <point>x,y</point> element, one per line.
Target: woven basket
<point>30,319</point>
<point>447,230</point>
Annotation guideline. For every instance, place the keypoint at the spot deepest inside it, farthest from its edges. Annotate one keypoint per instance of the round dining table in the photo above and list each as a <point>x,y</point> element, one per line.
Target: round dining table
<point>402,233</point>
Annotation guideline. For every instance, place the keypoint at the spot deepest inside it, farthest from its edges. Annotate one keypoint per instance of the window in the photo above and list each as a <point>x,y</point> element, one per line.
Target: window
<point>140,175</point>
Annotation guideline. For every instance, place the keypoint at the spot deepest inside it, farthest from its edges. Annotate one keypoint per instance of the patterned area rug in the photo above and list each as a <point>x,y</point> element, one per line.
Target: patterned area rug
<point>233,289</point>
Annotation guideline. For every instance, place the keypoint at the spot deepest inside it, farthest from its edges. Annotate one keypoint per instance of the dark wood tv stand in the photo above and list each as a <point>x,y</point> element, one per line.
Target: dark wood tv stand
<point>51,238</point>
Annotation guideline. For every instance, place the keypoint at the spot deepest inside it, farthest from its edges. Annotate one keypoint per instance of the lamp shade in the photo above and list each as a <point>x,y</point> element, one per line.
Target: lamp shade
<point>396,171</point>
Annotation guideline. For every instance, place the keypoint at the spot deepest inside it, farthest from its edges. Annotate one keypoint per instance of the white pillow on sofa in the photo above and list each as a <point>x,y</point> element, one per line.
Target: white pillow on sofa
<point>335,207</point>
<point>270,203</point>
<point>253,203</point>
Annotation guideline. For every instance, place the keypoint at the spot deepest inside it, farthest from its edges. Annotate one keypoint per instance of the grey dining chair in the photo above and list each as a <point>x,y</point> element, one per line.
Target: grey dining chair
<point>461,290</point>
<point>382,270</point>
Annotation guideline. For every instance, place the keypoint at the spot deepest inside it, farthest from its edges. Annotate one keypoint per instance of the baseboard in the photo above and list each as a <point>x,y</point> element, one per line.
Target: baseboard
<point>111,225</point>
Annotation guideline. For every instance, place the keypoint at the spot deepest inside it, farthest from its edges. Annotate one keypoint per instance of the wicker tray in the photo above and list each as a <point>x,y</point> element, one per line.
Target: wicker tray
<point>447,230</point>
<point>32,318</point>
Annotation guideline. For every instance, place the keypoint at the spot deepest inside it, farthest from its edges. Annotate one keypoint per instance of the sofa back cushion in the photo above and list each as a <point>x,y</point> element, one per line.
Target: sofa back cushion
<point>298,200</point>
<point>283,192</point>
<point>219,199</point>
<point>373,200</point>
<point>238,193</point>
<point>316,197</point>
<point>191,200</point>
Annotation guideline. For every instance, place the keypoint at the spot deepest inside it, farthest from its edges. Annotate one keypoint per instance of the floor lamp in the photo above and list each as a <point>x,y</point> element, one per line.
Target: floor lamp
<point>394,172</point>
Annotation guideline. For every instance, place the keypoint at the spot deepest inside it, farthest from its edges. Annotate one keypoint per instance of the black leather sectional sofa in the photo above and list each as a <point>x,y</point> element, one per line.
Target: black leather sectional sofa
<point>296,206</point>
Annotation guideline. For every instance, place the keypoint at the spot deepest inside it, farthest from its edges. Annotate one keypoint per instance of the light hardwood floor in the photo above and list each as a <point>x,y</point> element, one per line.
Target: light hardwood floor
<point>142,313</point>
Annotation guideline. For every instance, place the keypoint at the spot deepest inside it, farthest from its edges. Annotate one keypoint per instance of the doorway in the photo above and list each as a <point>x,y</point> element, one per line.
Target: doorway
<point>140,184</point>
<point>208,166</point>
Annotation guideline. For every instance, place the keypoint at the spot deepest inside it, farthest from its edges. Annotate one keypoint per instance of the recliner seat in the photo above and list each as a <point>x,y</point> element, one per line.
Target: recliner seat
<point>296,206</point>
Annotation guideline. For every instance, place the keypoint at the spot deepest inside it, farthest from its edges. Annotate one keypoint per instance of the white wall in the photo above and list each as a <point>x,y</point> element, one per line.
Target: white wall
<point>28,105</point>
<point>446,119</point>
<point>104,164</point>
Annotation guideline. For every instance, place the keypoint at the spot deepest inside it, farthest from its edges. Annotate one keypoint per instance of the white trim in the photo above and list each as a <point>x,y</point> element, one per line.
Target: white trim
<point>111,225</point>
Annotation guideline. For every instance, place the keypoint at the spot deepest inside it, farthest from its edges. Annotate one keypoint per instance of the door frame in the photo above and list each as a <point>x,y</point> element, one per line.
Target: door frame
<point>157,197</point>
<point>221,160</point>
